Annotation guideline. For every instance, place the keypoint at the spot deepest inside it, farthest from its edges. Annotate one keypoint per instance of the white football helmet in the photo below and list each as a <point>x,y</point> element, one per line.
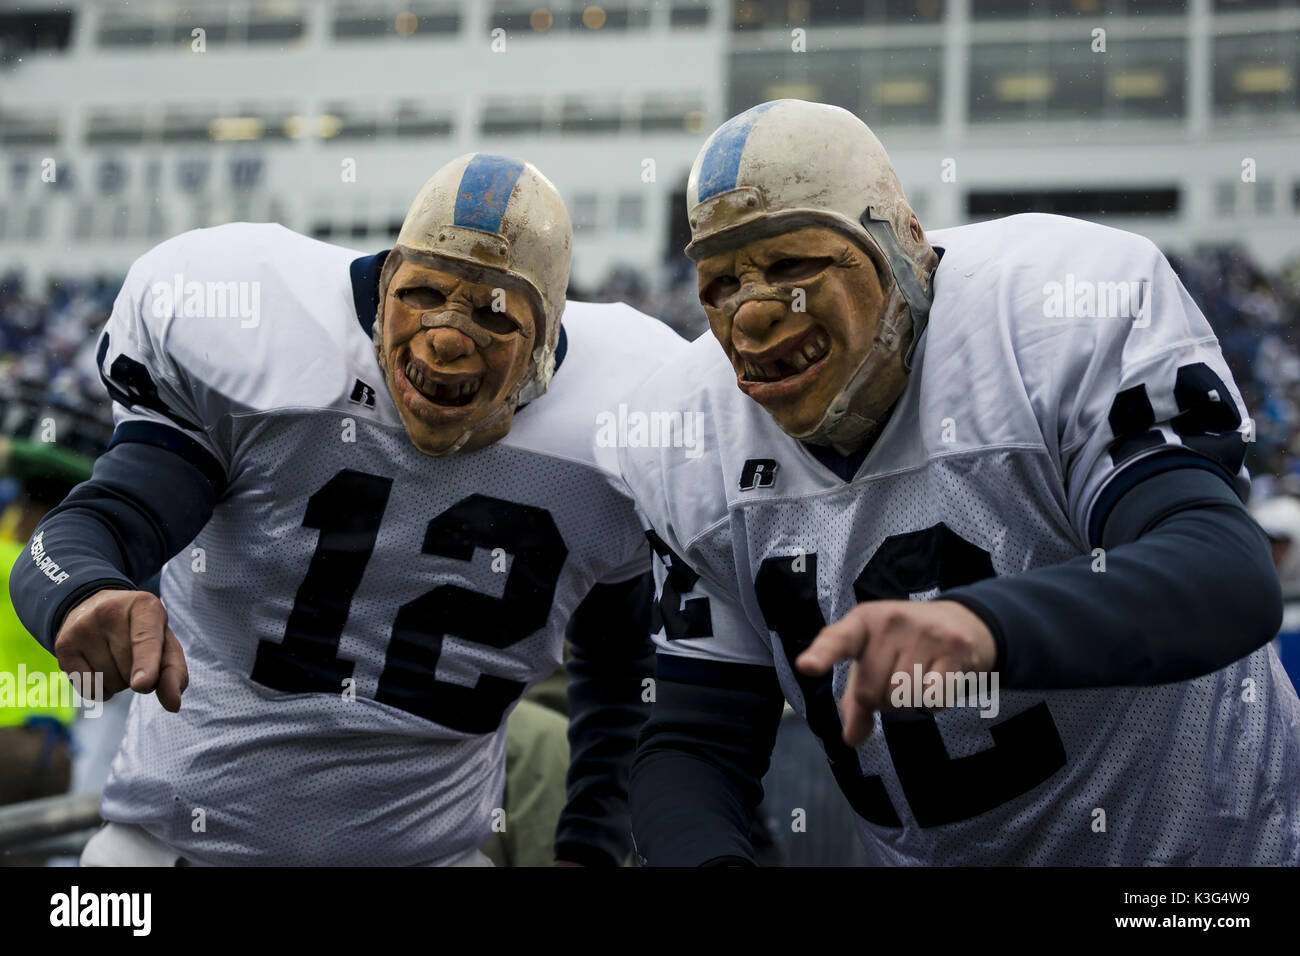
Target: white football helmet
<point>788,164</point>
<point>494,219</point>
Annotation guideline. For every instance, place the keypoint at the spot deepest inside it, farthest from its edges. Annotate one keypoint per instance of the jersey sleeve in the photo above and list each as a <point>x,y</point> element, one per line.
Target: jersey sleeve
<point>697,611</point>
<point>1132,385</point>
<point>143,356</point>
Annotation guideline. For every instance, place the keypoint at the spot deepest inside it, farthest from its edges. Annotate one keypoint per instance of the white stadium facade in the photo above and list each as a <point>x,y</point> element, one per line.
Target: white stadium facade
<point>123,123</point>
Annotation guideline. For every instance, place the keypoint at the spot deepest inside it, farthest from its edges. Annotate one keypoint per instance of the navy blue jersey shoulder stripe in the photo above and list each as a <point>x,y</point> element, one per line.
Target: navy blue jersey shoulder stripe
<point>365,287</point>
<point>721,163</point>
<point>169,439</point>
<point>485,189</point>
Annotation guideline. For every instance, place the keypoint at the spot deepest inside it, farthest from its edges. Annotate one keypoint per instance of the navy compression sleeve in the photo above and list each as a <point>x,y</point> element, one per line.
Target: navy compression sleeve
<point>698,775</point>
<point>150,494</point>
<point>1188,588</point>
<point>611,655</point>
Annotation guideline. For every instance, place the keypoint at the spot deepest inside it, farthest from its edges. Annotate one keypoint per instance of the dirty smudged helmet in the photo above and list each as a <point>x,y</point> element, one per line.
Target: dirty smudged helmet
<point>499,221</point>
<point>789,164</point>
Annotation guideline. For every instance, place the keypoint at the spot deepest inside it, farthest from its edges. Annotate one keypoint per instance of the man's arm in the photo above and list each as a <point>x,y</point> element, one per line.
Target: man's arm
<point>150,494</point>
<point>610,658</point>
<point>75,585</point>
<point>1188,588</point>
<point>697,780</point>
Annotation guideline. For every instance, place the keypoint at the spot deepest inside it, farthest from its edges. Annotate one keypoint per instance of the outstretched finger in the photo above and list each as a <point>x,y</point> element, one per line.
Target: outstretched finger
<point>843,640</point>
<point>147,624</point>
<point>174,675</point>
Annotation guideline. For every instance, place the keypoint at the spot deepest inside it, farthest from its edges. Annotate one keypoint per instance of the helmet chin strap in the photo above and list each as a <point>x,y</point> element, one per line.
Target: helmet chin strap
<point>908,304</point>
<point>841,426</point>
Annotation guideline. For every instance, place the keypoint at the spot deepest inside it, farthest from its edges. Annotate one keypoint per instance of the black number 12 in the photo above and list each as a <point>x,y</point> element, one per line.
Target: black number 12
<point>347,511</point>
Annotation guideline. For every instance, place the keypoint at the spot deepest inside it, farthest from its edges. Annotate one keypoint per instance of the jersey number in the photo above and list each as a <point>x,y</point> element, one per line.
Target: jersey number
<point>940,789</point>
<point>347,511</point>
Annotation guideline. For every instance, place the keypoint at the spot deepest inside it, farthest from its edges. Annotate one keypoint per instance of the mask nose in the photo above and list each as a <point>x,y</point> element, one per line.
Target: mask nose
<point>449,344</point>
<point>759,306</point>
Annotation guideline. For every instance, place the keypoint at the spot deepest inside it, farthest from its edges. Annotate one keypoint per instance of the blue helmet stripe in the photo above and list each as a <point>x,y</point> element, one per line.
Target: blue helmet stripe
<point>485,189</point>
<point>721,163</point>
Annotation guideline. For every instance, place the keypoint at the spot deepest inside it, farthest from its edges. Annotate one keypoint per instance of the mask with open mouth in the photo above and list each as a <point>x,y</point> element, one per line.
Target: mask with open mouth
<point>471,298</point>
<point>455,353</point>
<point>797,315</point>
<point>802,237</point>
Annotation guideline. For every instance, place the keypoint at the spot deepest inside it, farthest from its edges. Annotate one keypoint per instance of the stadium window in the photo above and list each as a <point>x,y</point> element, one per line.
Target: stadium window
<point>1083,203</point>
<point>34,129</point>
<point>689,15</point>
<point>324,231</point>
<point>214,31</point>
<point>902,86</point>
<point>784,14</point>
<point>672,113</point>
<point>119,225</point>
<point>1146,80</point>
<point>1225,198</point>
<point>1265,195</point>
<point>1011,82</point>
<point>415,119</point>
<point>1295,197</point>
<point>581,115</point>
<point>32,30</point>
<point>516,17</point>
<point>128,31</point>
<point>187,126</point>
<point>1247,6</point>
<point>35,223</point>
<point>511,117</point>
<point>832,76</point>
<point>585,210</point>
<point>115,129</point>
<point>361,21</point>
<point>592,17</point>
<point>629,214</point>
<point>894,85</point>
<point>83,221</point>
<point>156,222</point>
<point>275,29</point>
<point>1256,74</point>
<point>344,122</point>
<point>1064,9</point>
<point>1154,8</point>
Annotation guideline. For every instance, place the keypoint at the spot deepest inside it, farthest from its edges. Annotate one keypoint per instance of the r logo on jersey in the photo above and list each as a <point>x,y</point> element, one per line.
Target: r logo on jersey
<point>362,394</point>
<point>758,473</point>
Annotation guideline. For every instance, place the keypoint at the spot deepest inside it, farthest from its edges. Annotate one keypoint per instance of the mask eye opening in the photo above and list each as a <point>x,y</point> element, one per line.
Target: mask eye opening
<point>718,290</point>
<point>498,323</point>
<point>422,298</point>
<point>796,269</point>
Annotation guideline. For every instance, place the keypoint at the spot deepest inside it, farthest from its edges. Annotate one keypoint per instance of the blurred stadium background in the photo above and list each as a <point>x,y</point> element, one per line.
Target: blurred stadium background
<point>124,123</point>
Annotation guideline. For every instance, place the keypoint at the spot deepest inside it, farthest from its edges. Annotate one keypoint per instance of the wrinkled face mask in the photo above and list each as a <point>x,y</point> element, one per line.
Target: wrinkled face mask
<point>811,333</point>
<point>454,354</point>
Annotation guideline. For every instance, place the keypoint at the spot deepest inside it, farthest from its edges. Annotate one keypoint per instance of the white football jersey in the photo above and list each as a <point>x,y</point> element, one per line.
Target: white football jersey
<point>1039,381</point>
<point>358,618</point>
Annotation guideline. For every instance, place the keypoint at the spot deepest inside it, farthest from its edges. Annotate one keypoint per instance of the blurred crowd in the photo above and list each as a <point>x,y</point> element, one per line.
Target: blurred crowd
<point>48,336</point>
<point>1256,316</point>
